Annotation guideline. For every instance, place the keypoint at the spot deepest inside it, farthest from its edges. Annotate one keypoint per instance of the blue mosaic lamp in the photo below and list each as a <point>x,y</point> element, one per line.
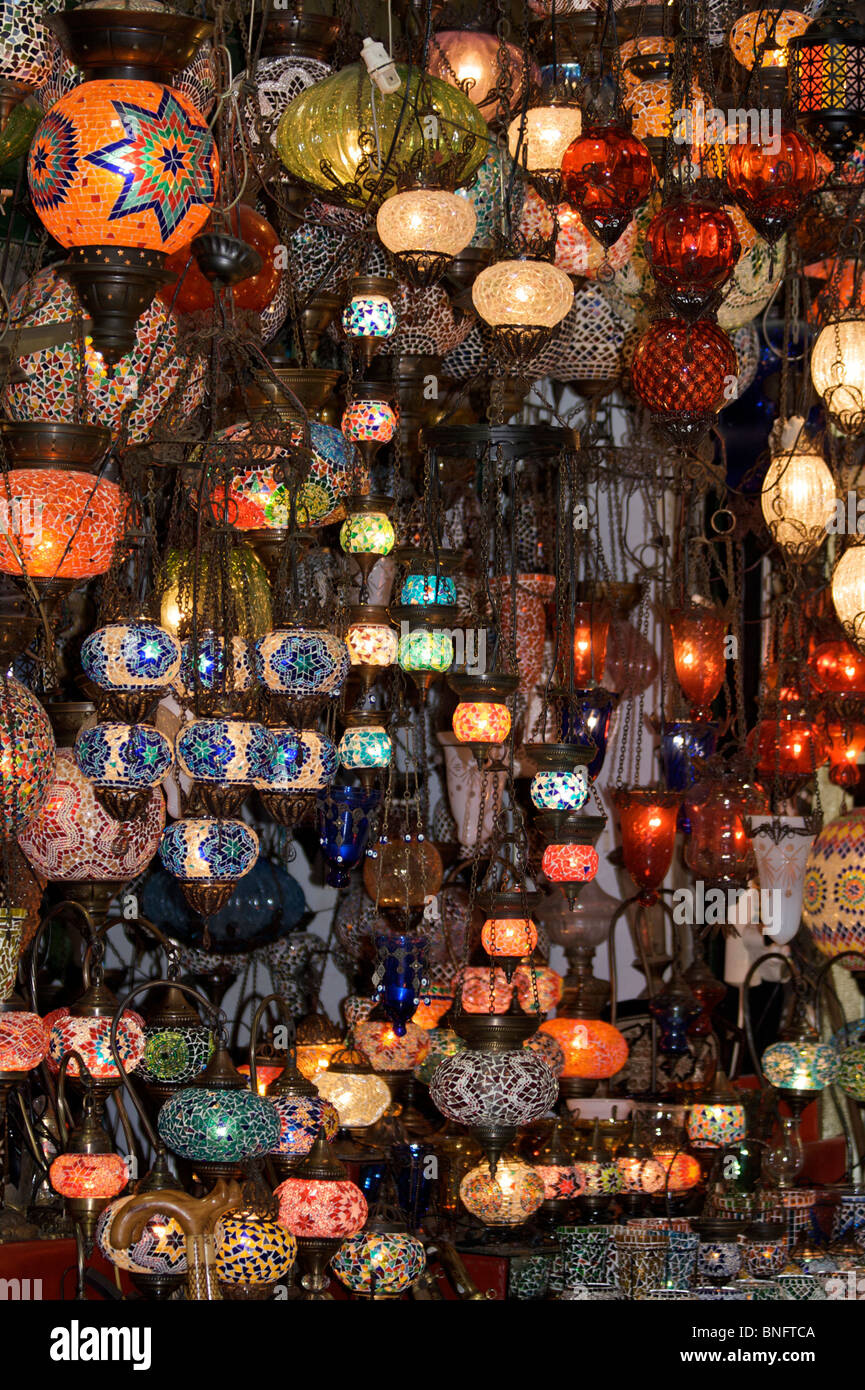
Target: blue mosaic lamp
<point>301,668</point>
<point>225,759</point>
<point>429,576</point>
<point>124,762</point>
<point>369,317</point>
<point>217,1123</point>
<point>365,747</point>
<point>561,782</point>
<point>208,857</point>
<point>253,1253</point>
<point>306,763</point>
<point>133,664</point>
<point>206,682</point>
<point>343,828</point>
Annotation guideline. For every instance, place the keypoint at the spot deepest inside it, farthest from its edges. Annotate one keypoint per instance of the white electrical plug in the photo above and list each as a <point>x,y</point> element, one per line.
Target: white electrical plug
<point>380,66</point>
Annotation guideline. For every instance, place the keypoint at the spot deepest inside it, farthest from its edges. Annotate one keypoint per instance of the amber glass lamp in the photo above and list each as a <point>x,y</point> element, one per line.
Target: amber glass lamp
<point>719,848</point>
<point>594,1051</point>
<point>648,822</point>
<point>698,634</point>
<point>482,719</point>
<point>508,934</point>
<point>591,628</point>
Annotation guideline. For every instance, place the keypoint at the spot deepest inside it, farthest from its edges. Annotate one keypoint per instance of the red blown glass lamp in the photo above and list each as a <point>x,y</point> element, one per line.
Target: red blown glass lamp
<point>838,668</point>
<point>698,655</point>
<point>681,372</point>
<point>772,185</point>
<point>607,173</point>
<point>591,629</point>
<point>648,822</point>
<point>692,248</point>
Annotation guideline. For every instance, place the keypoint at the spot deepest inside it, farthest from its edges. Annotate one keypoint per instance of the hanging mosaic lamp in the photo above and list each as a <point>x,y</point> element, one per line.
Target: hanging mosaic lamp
<point>594,1051</point>
<point>367,533</point>
<point>208,857</point>
<point>400,977</point>
<point>424,229</point>
<point>508,935</point>
<point>366,747</point>
<point>379,1264</point>
<point>426,646</point>
<point>570,859</point>
<point>301,668</point>
<point>177,1045</point>
<point>482,719</point>
<point>133,664</point>
<point>522,301</point>
<point>224,759</point>
<point>369,420</point>
<point>120,226</point>
<point>369,317</point>
<point>27,756</point>
<point>538,139</point>
<point>358,1095</point>
<point>124,762</point>
<point>216,1123</point>
<point>371,640</point>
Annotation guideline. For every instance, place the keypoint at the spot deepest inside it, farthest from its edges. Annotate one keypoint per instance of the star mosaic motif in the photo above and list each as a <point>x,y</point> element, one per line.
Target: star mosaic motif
<point>165,160</point>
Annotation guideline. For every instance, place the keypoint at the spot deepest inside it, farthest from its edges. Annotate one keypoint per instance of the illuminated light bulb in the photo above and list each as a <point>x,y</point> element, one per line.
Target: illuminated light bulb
<point>522,301</point>
<point>848,591</point>
<point>838,372</point>
<point>424,229</point>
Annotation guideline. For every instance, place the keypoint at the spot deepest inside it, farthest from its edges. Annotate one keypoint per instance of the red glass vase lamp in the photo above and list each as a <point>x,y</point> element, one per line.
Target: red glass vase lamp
<point>692,247</point>
<point>648,819</point>
<point>685,373</point>
<point>591,629</point>
<point>607,173</point>
<point>838,668</point>
<point>844,735</point>
<point>699,634</point>
<point>718,849</point>
<point>771,184</point>
<point>787,745</point>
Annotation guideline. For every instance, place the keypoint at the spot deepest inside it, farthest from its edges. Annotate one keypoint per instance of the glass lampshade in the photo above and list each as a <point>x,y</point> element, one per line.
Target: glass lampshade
<point>321,1208</point>
<point>838,372</point>
<point>509,936</point>
<point>714,1124</point>
<point>509,1198</point>
<point>546,133</point>
<point>252,1249</point>
<point>367,533</point>
<point>88,1175</point>
<point>591,626</point>
<point>798,500</point>
<point>648,823</point>
<point>359,1097</point>
<point>472,60</point>
<point>848,590</point>
<point>526,293</point>
<point>593,1049</point>
<point>698,633</point>
<point>160,1249</point>
<point>131,657</point>
<point>371,643</point>
<point>206,850</point>
<point>570,863</point>
<point>837,668</point>
<point>426,220</point>
<point>301,662</point>
<point>212,1125</point>
<point>365,747</point>
<point>381,1263</point>
<point>477,721</point>
<point>59,524</point>
<point>27,756</point>
<point>760,38</point>
<point>800,1066</point>
<point>91,1039</point>
<point>23,1041</point>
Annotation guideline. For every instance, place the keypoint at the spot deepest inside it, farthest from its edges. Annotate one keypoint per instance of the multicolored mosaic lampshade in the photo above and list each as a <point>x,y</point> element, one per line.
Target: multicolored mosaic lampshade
<point>374,420</point>
<point>477,721</point>
<point>713,1124</point>
<point>360,1098</point>
<point>61,524</point>
<point>91,1039</point>
<point>300,1119</point>
<point>562,789</point>
<point>88,1175</point>
<point>160,1249</point>
<point>226,752</point>
<point>371,643</point>
<point>381,1264</point>
<point>174,1055</point>
<point>73,838</point>
<point>23,1042</point>
<point>425,590</point>
<point>306,761</point>
<point>125,162</point>
<point>301,662</point>
<point>364,748</point>
<point>570,863</point>
<point>367,533</point>
<point>131,657</point>
<point>315,1207</point>
<point>368,315</point>
<point>389,1052</point>
<point>210,1125</point>
<point>25,59</point>
<point>200,851</point>
<point>124,755</point>
<point>426,650</point>
<point>252,1249</point>
<point>27,756</point>
<point>592,1048</point>
<point>258,498</point>
<point>49,384</point>
<point>833,907</point>
<point>502,1088</point>
<point>800,1066</point>
<point>509,1198</point>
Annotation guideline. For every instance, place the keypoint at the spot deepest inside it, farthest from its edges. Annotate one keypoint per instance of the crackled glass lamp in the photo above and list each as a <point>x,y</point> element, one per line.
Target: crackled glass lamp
<point>838,372</point>
<point>538,139</point>
<point>367,533</point>
<point>424,228</point>
<point>369,317</point>
<point>798,496</point>
<point>522,301</point>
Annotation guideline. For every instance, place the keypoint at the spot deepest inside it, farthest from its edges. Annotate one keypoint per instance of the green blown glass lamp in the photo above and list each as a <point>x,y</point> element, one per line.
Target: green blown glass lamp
<point>327,135</point>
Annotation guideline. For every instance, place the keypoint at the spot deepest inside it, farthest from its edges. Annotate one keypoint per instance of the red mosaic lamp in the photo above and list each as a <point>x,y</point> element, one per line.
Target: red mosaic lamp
<point>123,170</point>
<point>508,935</point>
<point>89,1172</point>
<point>570,859</point>
<point>320,1206</point>
<point>648,822</point>
<point>482,719</point>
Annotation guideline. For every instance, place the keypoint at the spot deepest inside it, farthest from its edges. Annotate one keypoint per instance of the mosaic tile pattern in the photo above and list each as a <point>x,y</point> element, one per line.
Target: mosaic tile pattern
<point>385,1264</point>
<point>305,761</point>
<point>88,1175</point>
<point>475,1088</point>
<point>124,755</point>
<point>134,395</point>
<point>196,851</point>
<point>225,752</point>
<point>175,1055</point>
<point>202,666</point>
<point>59,523</point>
<point>369,420</point>
<point>368,316</point>
<point>833,907</point>
<point>277,82</point>
<point>547,1048</point>
<point>252,1249</point>
<point>425,650</point>
<point>803,1066</point>
<point>508,1199</point>
<point>561,1181</point>
<point>851,1071</point>
<point>314,1207</point>
<point>160,1249</point>
<point>710,1126</point>
<point>359,1100</point>
<point>23,1041</point>
<point>598,1179</point>
<point>369,747</point>
<point>300,1119</point>
<point>425,589</point>
<point>258,497</point>
<point>577,251</point>
<point>371,644</point>
<point>570,863</point>
<point>301,661</point>
<point>560,790</point>
<point>151,186</point>
<point>216,1126</point>
<point>367,533</point>
<point>24,41</point>
<point>481,722</point>
<point>428,325</point>
<point>27,755</point>
<point>386,1051</point>
<point>91,1039</point>
<point>73,838</point>
<point>592,1048</point>
<point>540,981</point>
<point>131,657</point>
<point>443,1042</point>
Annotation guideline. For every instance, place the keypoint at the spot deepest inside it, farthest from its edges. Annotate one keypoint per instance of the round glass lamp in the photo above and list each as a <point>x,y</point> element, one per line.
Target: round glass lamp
<point>522,301</point>
<point>424,229</point>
